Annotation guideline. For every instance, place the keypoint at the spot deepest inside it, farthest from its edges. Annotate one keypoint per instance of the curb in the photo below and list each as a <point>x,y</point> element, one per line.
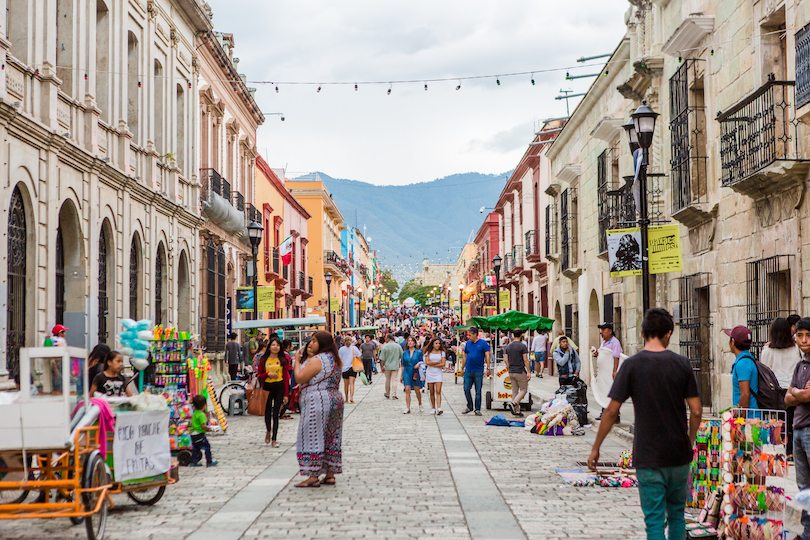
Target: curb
<point>620,431</point>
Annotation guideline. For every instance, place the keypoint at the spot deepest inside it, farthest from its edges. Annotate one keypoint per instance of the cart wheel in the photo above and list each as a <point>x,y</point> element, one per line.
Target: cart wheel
<point>225,394</point>
<point>148,496</point>
<point>16,496</point>
<point>489,400</point>
<point>95,475</point>
<point>527,406</point>
<point>184,457</point>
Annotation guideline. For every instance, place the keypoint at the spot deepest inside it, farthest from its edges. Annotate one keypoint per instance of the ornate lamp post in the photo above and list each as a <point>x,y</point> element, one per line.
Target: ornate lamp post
<point>255,231</point>
<point>328,277</point>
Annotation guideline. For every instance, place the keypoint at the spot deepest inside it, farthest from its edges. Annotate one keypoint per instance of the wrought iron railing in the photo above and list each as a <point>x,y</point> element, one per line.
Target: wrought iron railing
<point>604,183</point>
<point>508,263</point>
<point>688,137</point>
<point>768,288</point>
<point>568,234</point>
<point>694,328</point>
<point>532,243</point>
<point>252,213</point>
<point>285,272</point>
<point>239,201</point>
<point>309,289</point>
<point>552,244</point>
<point>517,256</point>
<point>758,130</point>
<point>302,281</point>
<point>275,260</point>
<point>330,257</point>
<point>803,66</point>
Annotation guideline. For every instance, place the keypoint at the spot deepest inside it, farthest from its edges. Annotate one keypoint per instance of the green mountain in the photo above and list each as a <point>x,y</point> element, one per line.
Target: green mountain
<point>425,220</point>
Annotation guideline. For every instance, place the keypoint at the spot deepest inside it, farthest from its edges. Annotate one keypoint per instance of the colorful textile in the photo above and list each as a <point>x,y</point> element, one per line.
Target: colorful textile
<point>582,478</point>
<point>321,426</point>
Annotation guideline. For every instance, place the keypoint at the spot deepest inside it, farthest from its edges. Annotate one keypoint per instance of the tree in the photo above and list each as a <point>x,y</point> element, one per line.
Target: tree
<point>388,282</point>
<point>414,289</point>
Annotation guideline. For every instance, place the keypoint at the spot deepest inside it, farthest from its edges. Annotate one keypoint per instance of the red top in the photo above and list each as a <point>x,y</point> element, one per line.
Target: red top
<point>285,373</point>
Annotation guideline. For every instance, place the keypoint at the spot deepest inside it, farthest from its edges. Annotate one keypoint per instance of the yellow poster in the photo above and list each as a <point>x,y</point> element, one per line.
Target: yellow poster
<point>465,311</point>
<point>452,302</point>
<point>664,249</point>
<point>266,296</point>
<point>334,305</point>
<point>504,298</point>
<point>362,306</point>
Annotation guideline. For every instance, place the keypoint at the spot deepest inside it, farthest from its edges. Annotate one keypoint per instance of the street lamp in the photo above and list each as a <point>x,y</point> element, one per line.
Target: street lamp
<point>328,277</point>
<point>460,303</point>
<point>641,136</point>
<point>255,234</point>
<point>359,296</point>
<point>496,265</point>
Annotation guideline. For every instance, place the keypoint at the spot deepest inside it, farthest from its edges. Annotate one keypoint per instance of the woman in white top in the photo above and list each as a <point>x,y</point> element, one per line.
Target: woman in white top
<point>782,355</point>
<point>347,354</point>
<point>435,358</point>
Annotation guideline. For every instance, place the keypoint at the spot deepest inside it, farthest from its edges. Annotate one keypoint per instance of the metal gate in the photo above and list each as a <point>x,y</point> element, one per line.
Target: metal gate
<point>133,279</point>
<point>694,329</point>
<point>17,256</point>
<point>103,300</point>
<point>60,277</point>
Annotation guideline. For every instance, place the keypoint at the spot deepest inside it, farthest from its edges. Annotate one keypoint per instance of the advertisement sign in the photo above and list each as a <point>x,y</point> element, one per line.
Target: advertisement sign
<point>624,252</point>
<point>465,311</point>
<point>228,316</point>
<point>141,445</point>
<point>452,302</point>
<point>504,295</point>
<point>334,305</point>
<point>266,298</point>
<point>664,249</point>
<point>362,305</point>
<point>244,299</point>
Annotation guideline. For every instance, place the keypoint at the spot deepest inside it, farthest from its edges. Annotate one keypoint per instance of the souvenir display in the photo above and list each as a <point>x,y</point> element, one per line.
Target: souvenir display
<point>705,463</point>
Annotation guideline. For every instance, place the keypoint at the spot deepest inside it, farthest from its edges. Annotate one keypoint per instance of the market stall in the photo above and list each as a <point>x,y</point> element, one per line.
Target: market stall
<point>500,388</point>
<point>299,330</point>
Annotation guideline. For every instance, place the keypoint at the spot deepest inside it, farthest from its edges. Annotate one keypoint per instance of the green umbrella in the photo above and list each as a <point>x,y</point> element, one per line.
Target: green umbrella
<point>510,321</point>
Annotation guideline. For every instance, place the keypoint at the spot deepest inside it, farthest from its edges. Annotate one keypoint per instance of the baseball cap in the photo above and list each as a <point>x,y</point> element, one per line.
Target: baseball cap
<point>740,334</point>
<point>59,328</point>
<point>608,325</point>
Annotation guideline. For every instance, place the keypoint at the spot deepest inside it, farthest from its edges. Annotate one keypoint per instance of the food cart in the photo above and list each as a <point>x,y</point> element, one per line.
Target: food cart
<point>459,372</point>
<point>51,443</point>
<point>500,388</point>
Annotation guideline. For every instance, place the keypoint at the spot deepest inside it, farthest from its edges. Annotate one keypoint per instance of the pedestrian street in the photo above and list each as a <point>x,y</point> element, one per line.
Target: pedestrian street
<point>404,476</point>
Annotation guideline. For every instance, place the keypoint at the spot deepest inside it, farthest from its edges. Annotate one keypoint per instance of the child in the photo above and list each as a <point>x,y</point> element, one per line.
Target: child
<point>199,425</point>
<point>110,382</point>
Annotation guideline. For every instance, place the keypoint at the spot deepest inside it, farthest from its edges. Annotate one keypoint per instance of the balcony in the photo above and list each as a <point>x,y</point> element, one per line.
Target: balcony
<point>252,213</point>
<point>759,146</point>
<point>309,289</point>
<point>333,261</point>
<point>271,264</point>
<point>239,201</point>
<point>517,258</point>
<point>508,263</point>
<point>298,285</point>
<point>533,252</point>
<point>215,198</point>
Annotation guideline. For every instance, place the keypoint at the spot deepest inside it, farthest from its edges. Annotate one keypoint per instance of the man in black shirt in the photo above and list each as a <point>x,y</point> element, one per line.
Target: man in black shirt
<point>659,381</point>
<point>798,395</point>
<point>517,360</point>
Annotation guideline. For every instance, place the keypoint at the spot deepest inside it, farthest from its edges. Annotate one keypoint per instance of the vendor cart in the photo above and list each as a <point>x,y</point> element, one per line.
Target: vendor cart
<point>40,448</point>
<point>460,355</point>
<point>500,388</point>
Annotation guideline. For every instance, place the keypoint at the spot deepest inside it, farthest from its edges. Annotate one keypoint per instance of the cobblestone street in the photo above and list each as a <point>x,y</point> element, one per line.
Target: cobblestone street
<point>405,476</point>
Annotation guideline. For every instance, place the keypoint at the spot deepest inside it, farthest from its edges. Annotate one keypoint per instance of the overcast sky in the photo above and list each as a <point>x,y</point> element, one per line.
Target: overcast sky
<point>412,135</point>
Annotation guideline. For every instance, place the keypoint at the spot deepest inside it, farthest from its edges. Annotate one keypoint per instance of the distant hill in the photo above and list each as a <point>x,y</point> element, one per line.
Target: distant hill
<point>415,221</point>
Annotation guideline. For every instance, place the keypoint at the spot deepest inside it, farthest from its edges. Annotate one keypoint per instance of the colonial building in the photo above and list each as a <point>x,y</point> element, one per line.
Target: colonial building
<point>487,242</point>
<point>228,119</point>
<point>98,119</point>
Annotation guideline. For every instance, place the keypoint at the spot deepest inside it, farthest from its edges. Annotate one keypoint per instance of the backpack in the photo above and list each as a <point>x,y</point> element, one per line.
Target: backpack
<point>769,394</point>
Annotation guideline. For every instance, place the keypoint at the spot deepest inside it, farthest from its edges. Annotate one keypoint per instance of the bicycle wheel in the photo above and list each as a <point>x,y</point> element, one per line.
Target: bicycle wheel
<point>225,393</point>
<point>148,496</point>
<point>16,496</point>
<point>95,475</point>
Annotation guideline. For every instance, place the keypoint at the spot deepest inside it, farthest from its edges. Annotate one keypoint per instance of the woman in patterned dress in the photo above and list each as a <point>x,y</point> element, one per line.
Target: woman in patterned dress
<point>318,371</point>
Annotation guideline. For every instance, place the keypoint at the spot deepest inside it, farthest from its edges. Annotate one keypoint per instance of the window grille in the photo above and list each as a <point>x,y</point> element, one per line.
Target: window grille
<point>60,277</point>
<point>220,300</point>
<point>103,300</point>
<point>688,139</point>
<point>159,286</point>
<point>568,235</point>
<point>768,295</point>
<point>17,271</point>
<point>210,321</point>
<point>134,270</point>
<point>569,320</point>
<point>695,332</point>
<point>803,66</point>
<point>605,185</point>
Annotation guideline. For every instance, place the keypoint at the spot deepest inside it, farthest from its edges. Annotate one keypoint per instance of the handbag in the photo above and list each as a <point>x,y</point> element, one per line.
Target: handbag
<point>257,403</point>
<point>253,383</point>
<point>363,378</point>
<point>357,364</point>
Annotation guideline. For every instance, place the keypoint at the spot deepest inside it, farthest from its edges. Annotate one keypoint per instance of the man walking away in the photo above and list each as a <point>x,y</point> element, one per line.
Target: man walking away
<point>658,381</point>
<point>368,353</point>
<point>744,372</point>
<point>539,352</point>
<point>517,360</point>
<point>233,355</point>
<point>798,395</point>
<point>609,341</point>
<point>478,355</point>
<point>391,359</point>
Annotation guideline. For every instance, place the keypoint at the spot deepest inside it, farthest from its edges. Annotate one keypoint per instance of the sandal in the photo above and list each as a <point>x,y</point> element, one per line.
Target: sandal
<point>329,481</point>
<point>275,444</point>
<point>268,438</point>
<point>308,484</point>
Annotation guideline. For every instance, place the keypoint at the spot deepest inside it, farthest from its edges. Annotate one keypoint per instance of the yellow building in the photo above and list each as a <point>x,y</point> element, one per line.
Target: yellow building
<point>324,249</point>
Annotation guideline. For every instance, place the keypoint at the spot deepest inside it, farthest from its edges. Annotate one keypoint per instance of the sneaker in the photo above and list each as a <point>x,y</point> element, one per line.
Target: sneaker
<point>465,411</point>
<point>212,464</point>
<point>421,409</point>
<point>195,464</point>
<point>541,375</point>
<point>432,411</point>
<point>518,414</point>
<point>406,411</point>
<point>439,411</point>
<point>478,413</point>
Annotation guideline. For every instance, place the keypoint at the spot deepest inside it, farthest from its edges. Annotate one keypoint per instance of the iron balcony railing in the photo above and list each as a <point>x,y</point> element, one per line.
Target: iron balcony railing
<point>239,201</point>
<point>758,130</point>
<point>532,243</point>
<point>508,263</point>
<point>309,289</point>
<point>330,257</point>
<point>302,281</point>
<point>212,182</point>
<point>687,126</point>
<point>252,213</point>
<point>517,256</point>
<point>275,260</point>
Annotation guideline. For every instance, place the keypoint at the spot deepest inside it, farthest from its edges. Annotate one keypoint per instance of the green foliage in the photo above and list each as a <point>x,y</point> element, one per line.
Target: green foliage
<point>389,282</point>
<point>415,290</point>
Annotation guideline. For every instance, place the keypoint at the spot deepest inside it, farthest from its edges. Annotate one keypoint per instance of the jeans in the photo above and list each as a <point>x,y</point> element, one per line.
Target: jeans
<point>233,369</point>
<point>476,378</point>
<point>200,444</point>
<point>663,498</point>
<point>801,460</point>
<point>272,410</point>
<point>368,367</point>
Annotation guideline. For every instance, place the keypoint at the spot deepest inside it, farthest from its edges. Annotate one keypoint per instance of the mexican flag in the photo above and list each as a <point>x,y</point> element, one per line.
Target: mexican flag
<point>286,250</point>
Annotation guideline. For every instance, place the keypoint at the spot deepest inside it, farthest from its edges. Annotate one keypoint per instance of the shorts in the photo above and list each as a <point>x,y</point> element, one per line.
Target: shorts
<point>349,374</point>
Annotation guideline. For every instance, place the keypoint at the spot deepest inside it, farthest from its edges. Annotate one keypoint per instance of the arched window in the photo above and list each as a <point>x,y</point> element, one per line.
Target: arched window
<point>71,280</point>
<point>16,305</point>
<point>183,294</point>
<point>134,278</point>
<point>60,276</point>
<point>158,85</point>
<point>103,298</point>
<point>133,86</point>
<point>160,286</point>
<point>103,59</point>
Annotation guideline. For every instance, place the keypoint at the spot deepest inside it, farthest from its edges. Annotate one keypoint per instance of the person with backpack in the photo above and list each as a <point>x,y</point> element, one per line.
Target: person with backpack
<point>744,372</point>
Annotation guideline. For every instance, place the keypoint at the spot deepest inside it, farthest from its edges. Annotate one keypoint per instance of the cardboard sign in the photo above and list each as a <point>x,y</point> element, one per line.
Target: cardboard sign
<point>664,249</point>
<point>141,445</point>
<point>624,252</point>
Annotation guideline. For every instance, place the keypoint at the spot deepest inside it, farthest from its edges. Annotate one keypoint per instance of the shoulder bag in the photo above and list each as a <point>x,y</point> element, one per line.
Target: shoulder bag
<point>257,403</point>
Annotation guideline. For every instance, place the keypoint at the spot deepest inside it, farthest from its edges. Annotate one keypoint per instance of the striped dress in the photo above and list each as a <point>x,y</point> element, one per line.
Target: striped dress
<point>321,425</point>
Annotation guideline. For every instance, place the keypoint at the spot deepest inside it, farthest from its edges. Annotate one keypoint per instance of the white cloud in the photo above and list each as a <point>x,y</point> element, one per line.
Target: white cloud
<point>411,135</point>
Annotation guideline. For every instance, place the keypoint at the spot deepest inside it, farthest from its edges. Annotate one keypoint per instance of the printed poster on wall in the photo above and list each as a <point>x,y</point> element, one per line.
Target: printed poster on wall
<point>141,445</point>
<point>362,305</point>
<point>334,305</point>
<point>664,249</point>
<point>465,311</point>
<point>624,252</point>
<point>266,299</point>
<point>244,299</point>
<point>504,298</point>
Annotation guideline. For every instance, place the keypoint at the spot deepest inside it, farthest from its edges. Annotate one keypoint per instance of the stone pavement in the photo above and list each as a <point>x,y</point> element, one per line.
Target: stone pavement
<point>405,476</point>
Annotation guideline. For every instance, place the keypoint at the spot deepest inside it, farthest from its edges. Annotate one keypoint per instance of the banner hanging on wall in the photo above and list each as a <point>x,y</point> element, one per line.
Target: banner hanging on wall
<point>624,252</point>
<point>266,298</point>
<point>664,248</point>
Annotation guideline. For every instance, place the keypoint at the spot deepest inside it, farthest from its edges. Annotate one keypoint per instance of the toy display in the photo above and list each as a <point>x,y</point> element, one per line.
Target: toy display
<point>705,463</point>
<point>754,471</point>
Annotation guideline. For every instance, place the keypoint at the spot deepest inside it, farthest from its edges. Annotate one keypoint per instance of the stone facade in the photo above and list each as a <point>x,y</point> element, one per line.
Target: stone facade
<point>97,116</point>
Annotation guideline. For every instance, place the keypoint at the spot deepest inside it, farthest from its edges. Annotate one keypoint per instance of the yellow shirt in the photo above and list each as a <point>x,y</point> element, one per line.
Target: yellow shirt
<point>273,368</point>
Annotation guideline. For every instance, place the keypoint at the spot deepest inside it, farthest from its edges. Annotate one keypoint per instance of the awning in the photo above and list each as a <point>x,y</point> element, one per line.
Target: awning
<point>279,323</point>
<point>469,290</point>
<point>360,329</point>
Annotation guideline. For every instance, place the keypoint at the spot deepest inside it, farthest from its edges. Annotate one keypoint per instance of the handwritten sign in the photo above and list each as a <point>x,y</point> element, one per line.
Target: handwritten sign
<point>141,445</point>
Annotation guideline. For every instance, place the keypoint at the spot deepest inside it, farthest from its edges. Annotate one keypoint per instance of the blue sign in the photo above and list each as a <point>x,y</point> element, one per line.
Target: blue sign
<point>228,318</point>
